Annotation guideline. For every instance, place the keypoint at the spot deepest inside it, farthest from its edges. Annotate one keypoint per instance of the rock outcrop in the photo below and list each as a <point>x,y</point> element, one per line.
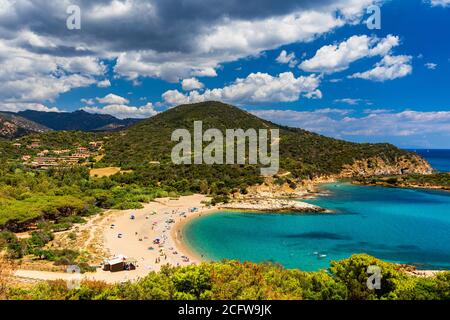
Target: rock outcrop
<point>378,167</point>
<point>272,205</point>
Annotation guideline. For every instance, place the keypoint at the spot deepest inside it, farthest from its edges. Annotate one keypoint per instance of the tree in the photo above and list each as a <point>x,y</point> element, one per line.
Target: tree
<point>352,272</point>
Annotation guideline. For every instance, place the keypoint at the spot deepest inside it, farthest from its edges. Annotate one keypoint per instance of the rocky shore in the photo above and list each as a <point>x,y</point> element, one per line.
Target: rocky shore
<point>273,205</point>
<point>436,181</point>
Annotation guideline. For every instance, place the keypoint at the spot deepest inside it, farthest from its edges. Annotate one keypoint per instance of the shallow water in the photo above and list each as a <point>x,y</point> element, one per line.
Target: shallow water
<point>398,225</point>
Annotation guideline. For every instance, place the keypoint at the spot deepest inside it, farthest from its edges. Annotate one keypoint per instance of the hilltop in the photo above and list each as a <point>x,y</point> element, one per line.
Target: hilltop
<point>304,154</point>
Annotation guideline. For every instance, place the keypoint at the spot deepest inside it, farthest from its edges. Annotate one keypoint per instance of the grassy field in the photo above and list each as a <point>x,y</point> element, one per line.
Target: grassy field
<point>104,172</point>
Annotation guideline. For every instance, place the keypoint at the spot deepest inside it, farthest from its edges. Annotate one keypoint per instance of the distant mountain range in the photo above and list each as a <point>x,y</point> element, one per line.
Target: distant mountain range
<point>14,125</point>
<point>77,120</point>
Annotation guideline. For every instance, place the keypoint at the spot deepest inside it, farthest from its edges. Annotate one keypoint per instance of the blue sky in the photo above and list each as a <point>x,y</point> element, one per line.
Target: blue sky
<point>309,64</point>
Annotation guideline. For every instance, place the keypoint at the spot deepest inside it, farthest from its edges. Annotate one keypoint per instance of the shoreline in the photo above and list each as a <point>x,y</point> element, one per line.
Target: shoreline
<point>151,222</point>
<point>412,186</point>
<point>118,234</point>
<point>178,230</point>
<point>136,240</point>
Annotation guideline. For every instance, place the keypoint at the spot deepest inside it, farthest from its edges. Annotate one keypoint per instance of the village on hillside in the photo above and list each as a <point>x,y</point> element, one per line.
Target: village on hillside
<point>39,156</point>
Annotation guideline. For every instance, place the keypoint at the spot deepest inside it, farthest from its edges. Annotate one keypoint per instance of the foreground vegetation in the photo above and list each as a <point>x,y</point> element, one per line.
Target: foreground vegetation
<point>231,280</point>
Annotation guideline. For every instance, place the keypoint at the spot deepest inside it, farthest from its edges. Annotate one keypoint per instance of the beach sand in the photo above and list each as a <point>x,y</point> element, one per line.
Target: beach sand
<point>137,236</point>
<point>149,224</point>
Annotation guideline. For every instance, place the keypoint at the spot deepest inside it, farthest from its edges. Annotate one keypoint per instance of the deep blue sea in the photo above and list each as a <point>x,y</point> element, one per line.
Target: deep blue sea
<point>439,159</point>
<point>398,225</point>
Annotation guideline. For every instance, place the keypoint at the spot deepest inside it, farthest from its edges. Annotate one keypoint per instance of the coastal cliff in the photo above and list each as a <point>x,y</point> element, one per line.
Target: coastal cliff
<point>286,186</point>
<point>376,166</point>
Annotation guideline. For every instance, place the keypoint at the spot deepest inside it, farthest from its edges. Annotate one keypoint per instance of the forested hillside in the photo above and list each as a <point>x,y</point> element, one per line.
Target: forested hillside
<point>303,153</point>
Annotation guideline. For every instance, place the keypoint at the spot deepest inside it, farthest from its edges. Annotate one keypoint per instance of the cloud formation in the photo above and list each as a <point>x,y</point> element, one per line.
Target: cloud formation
<point>30,76</point>
<point>191,84</point>
<point>124,111</point>
<point>104,83</point>
<point>349,101</point>
<point>166,39</point>
<point>404,127</point>
<point>431,65</point>
<point>112,98</point>
<point>440,3</point>
<point>256,88</point>
<point>285,58</point>
<point>389,68</point>
<point>334,58</point>
<point>15,107</point>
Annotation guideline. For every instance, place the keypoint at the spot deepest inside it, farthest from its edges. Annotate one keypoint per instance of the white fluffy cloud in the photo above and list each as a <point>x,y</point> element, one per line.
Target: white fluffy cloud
<point>431,65</point>
<point>112,99</point>
<point>286,58</point>
<point>349,101</point>
<point>441,3</point>
<point>35,88</point>
<point>256,88</point>
<point>334,58</point>
<point>231,39</point>
<point>123,111</point>
<point>88,102</point>
<point>225,42</point>
<point>191,84</point>
<point>104,83</point>
<point>29,76</point>
<point>403,127</point>
<point>389,68</point>
<point>160,39</point>
<point>15,107</point>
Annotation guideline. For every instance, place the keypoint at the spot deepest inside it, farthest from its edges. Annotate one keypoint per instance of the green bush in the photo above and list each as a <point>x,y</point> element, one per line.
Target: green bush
<point>232,280</point>
<point>39,239</point>
<point>127,205</point>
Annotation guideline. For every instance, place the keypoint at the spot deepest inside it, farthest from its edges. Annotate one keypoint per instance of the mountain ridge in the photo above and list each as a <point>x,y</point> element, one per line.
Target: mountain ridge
<point>14,126</point>
<point>79,120</point>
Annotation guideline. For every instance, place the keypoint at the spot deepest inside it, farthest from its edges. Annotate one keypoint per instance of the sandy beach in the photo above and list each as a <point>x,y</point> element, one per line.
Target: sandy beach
<point>132,233</point>
<point>152,236</point>
<point>161,220</point>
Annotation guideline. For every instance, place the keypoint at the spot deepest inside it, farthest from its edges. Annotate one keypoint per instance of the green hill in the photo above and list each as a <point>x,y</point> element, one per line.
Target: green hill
<point>302,153</point>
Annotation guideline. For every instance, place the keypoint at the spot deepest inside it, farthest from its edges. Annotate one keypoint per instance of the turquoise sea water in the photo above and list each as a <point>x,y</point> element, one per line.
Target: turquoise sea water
<point>398,225</point>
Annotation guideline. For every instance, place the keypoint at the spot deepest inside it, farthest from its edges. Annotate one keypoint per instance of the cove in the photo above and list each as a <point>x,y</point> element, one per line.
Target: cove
<point>397,225</point>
